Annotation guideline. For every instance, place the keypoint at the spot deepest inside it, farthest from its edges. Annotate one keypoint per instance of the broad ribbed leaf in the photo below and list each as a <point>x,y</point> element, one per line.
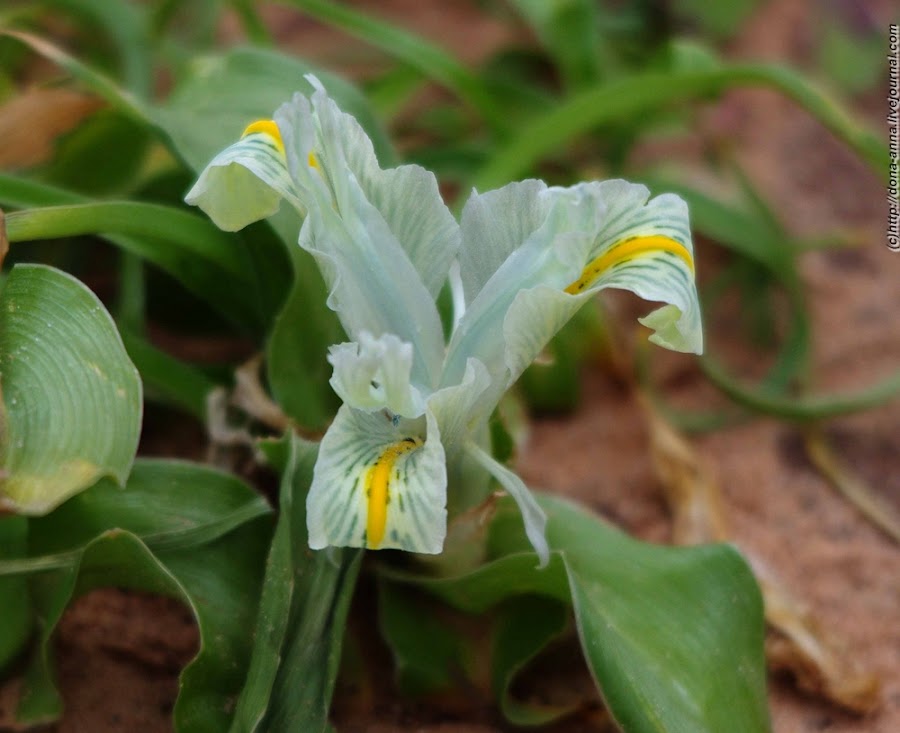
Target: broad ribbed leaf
<point>71,397</point>
<point>176,528</point>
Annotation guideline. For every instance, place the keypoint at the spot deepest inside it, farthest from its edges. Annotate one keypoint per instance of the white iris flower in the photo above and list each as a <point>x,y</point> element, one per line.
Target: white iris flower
<point>528,257</point>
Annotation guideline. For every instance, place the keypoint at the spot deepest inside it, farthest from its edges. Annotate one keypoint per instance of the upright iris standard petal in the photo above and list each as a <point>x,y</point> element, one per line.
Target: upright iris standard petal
<point>246,182</point>
<point>383,238</point>
<point>566,222</point>
<point>406,197</point>
<point>374,284</point>
<point>374,375</point>
<point>494,225</point>
<point>379,484</point>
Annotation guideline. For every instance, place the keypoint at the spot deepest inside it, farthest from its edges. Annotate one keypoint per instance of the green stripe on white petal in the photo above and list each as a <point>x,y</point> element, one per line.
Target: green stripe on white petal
<point>379,485</point>
<point>645,247</point>
<point>245,182</point>
<point>374,375</point>
<point>532,515</point>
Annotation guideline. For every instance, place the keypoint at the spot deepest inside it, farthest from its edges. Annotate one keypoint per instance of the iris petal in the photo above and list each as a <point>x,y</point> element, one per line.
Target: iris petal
<point>379,485</point>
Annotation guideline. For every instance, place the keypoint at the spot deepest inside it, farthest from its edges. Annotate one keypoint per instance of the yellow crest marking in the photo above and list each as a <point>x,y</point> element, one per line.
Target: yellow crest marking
<point>266,127</point>
<point>311,159</point>
<point>377,489</point>
<point>625,250</point>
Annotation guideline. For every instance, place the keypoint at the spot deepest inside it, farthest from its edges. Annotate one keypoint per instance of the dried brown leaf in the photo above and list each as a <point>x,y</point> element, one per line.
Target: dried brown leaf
<point>693,495</point>
<point>31,122</point>
<point>250,396</point>
<point>819,663</point>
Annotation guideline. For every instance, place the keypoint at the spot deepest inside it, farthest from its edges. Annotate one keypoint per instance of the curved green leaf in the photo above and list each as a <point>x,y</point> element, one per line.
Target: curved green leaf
<point>305,599</point>
<point>524,627</point>
<point>646,93</point>
<point>569,30</point>
<point>802,408</point>
<point>177,528</point>
<point>127,27</point>
<point>223,94</point>
<point>14,600</point>
<point>428,653</point>
<point>204,265</point>
<point>71,397</point>
<point>296,364</point>
<point>431,60</point>
<point>193,233</point>
<point>92,80</point>
<point>673,635</point>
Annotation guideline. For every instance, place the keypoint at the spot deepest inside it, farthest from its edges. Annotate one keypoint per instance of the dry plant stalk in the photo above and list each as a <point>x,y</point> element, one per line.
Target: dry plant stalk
<point>796,641</point>
<point>250,396</point>
<point>819,662</point>
<point>850,486</point>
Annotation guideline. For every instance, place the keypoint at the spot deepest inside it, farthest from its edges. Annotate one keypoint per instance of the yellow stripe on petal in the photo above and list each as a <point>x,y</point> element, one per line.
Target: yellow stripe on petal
<point>266,127</point>
<point>629,249</point>
<point>378,489</point>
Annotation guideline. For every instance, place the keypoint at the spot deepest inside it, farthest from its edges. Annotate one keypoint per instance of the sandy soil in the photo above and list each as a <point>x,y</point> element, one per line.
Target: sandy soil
<point>119,653</point>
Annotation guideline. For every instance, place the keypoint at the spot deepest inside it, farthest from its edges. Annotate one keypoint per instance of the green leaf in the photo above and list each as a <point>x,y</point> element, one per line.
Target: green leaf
<point>131,218</point>
<point>523,628</point>
<point>431,60</point>
<point>428,653</point>
<point>14,600</point>
<point>804,408</point>
<point>720,20</point>
<point>71,397</point>
<point>223,94</point>
<point>126,25</point>
<point>102,155</point>
<point>93,81</point>
<point>179,529</point>
<point>673,635</point>
<point>167,379</point>
<point>569,31</point>
<point>644,94</point>
<point>209,263</point>
<point>850,56</point>
<point>303,609</point>
<point>296,363</point>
